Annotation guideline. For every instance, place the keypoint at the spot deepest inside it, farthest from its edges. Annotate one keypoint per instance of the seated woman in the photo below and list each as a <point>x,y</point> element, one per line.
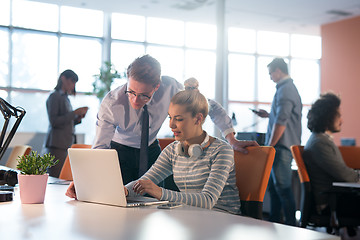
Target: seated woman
<point>203,166</point>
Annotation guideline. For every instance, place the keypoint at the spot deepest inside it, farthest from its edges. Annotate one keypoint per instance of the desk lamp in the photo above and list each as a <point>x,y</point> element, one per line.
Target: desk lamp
<point>9,177</point>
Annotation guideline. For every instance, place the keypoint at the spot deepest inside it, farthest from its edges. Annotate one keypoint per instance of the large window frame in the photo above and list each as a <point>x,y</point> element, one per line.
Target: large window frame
<point>182,51</point>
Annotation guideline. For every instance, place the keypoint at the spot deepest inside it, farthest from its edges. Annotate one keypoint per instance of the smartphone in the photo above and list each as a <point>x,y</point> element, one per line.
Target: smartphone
<point>169,206</point>
<point>254,110</point>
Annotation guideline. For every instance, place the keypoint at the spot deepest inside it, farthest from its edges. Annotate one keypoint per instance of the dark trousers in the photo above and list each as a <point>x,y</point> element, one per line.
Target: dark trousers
<point>347,205</point>
<point>129,158</point>
<point>60,154</point>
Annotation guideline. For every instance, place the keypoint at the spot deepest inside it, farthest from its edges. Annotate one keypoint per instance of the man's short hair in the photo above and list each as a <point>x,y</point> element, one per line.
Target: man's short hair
<point>278,63</point>
<point>323,112</point>
<point>145,69</point>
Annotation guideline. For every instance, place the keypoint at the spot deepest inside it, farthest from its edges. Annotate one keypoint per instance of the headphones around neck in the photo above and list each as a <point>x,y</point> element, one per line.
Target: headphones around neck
<point>195,150</point>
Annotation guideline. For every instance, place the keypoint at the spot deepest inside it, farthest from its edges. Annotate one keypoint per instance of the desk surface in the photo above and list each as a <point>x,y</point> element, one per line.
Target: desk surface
<point>346,184</point>
<point>62,218</point>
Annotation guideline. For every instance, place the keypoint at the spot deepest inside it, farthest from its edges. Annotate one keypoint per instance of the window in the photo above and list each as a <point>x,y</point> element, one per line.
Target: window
<point>35,15</point>
<point>250,85</point>
<point>88,123</point>
<point>34,60</point>
<point>201,65</point>
<point>305,46</point>
<point>122,54</point>
<point>46,39</point>
<point>266,87</point>
<point>171,60</point>
<point>128,27</point>
<point>4,12</point>
<point>81,21</point>
<point>241,76</point>
<point>245,119</point>
<point>165,31</point>
<point>36,119</point>
<point>4,58</point>
<point>273,43</point>
<point>306,73</point>
<point>83,56</point>
<point>200,35</point>
<point>241,40</point>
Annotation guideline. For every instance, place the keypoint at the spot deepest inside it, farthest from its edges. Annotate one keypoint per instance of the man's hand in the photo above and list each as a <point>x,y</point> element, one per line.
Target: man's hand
<point>240,145</point>
<point>147,186</point>
<point>70,192</point>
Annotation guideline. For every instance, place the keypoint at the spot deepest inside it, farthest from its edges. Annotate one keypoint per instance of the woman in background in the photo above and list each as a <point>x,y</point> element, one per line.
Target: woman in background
<point>62,119</point>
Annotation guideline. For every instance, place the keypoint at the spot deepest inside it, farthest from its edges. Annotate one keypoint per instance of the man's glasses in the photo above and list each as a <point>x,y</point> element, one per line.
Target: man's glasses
<point>143,97</point>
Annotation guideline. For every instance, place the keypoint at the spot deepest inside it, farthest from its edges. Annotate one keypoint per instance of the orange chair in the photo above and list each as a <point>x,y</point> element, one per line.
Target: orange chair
<point>252,177</point>
<point>309,216</point>
<point>351,156</point>
<point>18,150</point>
<point>163,142</point>
<point>66,173</point>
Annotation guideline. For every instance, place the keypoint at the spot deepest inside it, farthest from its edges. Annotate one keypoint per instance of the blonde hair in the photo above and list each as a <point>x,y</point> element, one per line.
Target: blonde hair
<point>192,99</point>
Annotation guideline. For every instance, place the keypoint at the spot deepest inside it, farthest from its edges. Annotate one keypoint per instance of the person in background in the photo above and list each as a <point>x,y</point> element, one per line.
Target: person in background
<point>119,120</point>
<point>203,166</point>
<point>284,130</point>
<point>62,119</point>
<point>323,159</point>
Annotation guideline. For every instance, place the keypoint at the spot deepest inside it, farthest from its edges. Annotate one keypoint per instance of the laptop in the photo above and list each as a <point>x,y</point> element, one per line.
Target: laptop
<point>97,178</point>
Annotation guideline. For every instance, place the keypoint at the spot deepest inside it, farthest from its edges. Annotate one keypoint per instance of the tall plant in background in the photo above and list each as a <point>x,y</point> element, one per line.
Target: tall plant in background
<point>104,80</point>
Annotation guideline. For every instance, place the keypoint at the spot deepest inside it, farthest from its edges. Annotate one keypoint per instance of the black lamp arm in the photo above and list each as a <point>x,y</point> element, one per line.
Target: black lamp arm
<point>7,111</point>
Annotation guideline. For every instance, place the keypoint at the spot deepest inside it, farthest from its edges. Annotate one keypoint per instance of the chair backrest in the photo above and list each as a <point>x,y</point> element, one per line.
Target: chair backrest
<point>66,173</point>
<point>163,142</point>
<point>306,198</point>
<point>18,150</point>
<point>252,177</point>
<point>297,153</point>
<point>351,156</point>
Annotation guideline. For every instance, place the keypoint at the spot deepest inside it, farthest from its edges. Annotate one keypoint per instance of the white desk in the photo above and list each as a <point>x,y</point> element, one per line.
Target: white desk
<point>346,184</point>
<point>62,218</point>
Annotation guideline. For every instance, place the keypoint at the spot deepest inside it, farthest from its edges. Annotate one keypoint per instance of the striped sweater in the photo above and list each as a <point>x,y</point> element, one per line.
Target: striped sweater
<point>208,181</point>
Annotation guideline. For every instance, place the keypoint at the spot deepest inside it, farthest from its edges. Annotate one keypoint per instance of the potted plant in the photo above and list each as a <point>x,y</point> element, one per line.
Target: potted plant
<point>33,177</point>
<point>104,80</point>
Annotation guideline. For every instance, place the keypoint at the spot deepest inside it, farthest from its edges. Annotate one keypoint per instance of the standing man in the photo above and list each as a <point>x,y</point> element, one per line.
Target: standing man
<point>284,130</point>
<point>145,98</point>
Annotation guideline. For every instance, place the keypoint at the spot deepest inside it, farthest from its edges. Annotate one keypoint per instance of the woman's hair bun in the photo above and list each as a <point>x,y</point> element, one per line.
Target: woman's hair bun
<point>191,84</point>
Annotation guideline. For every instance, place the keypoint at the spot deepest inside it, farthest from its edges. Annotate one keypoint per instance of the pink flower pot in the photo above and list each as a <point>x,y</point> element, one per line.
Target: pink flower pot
<point>32,188</point>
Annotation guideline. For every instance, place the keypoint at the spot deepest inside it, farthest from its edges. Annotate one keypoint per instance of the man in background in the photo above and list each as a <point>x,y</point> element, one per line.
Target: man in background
<point>284,130</point>
<point>322,157</point>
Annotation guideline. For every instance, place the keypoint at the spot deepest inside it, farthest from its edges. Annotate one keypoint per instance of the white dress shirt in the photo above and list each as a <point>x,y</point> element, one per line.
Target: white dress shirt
<point>117,121</point>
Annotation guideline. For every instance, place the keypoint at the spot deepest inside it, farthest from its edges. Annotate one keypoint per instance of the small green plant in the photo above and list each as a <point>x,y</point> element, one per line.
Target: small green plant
<point>104,80</point>
<point>34,164</point>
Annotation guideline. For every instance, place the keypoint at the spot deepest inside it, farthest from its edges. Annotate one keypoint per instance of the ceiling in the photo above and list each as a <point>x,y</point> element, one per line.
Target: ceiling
<point>293,16</point>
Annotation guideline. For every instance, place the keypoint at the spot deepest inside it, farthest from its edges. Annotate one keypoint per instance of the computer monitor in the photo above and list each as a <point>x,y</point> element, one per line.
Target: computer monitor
<point>252,136</point>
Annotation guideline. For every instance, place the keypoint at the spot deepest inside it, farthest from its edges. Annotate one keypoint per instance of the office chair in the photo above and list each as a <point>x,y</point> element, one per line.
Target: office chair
<point>66,173</point>
<point>17,151</point>
<point>309,215</point>
<point>252,177</point>
<point>351,156</point>
<point>163,142</point>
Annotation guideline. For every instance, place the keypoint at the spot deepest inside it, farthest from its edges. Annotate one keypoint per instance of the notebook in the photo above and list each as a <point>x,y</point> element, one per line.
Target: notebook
<point>97,178</point>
